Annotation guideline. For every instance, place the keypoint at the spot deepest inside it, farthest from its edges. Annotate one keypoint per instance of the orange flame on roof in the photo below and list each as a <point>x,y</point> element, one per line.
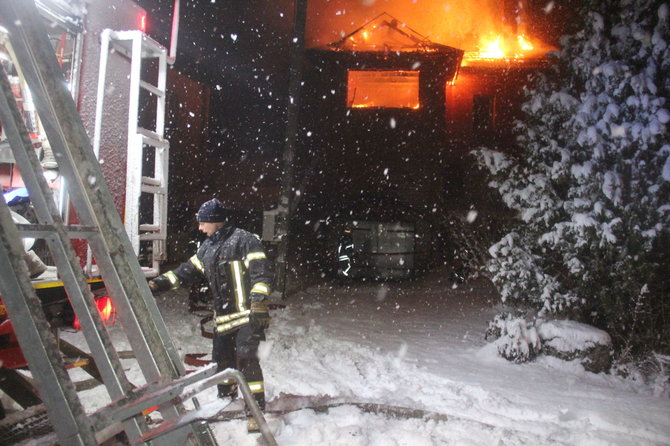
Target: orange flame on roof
<point>500,47</point>
<point>492,49</point>
<point>486,30</point>
<point>524,43</point>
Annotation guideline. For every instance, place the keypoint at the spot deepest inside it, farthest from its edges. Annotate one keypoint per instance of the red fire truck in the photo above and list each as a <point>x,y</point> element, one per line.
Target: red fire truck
<point>117,77</point>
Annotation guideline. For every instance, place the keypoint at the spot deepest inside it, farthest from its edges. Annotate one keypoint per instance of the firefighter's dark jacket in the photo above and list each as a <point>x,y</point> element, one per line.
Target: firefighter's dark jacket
<point>228,252</point>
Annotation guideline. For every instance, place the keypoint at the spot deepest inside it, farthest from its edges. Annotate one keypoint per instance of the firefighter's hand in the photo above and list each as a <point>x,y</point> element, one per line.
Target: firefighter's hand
<point>259,318</point>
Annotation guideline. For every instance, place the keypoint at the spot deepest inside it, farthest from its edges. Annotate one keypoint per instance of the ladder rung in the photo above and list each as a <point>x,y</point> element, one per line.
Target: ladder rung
<point>148,181</point>
<point>155,190</point>
<point>150,228</point>
<point>152,236</point>
<point>152,138</point>
<point>152,186</point>
<point>151,48</point>
<point>148,133</point>
<point>152,88</point>
<point>150,395</point>
<point>41,231</point>
<point>122,40</point>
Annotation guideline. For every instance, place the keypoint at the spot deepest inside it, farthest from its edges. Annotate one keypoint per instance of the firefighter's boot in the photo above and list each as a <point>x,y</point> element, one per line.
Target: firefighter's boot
<point>227,391</point>
<point>252,426</point>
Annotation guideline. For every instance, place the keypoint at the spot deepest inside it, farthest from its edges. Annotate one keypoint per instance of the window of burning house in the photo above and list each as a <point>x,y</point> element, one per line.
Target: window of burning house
<point>383,89</point>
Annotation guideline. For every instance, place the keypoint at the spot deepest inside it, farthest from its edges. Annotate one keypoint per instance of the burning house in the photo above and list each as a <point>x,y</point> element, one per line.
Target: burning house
<point>389,116</point>
<point>374,120</point>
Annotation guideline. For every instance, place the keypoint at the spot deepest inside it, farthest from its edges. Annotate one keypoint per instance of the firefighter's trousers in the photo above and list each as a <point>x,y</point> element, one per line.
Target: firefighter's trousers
<point>239,350</point>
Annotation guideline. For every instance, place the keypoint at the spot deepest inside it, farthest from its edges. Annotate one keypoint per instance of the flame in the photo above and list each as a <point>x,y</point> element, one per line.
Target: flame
<point>524,43</point>
<point>500,48</point>
<point>142,22</point>
<point>488,31</point>
<point>492,49</point>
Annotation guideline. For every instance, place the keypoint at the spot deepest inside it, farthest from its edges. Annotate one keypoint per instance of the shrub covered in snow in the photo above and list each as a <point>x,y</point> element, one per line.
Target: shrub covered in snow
<point>592,184</point>
<point>654,371</point>
<point>515,339</point>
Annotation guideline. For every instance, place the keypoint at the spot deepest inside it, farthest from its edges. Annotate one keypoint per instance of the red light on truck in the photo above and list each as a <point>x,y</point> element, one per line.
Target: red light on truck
<point>143,22</point>
<point>106,310</point>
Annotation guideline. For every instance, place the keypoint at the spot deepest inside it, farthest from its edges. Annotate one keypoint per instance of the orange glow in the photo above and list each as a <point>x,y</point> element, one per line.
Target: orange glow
<point>383,89</point>
<point>149,410</point>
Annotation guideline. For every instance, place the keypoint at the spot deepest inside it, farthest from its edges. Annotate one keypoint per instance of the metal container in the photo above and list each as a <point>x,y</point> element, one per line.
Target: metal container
<point>383,250</point>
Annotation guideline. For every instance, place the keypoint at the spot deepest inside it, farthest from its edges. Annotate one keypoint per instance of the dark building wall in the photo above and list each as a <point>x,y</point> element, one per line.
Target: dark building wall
<point>499,85</point>
<point>361,158</point>
<point>482,106</point>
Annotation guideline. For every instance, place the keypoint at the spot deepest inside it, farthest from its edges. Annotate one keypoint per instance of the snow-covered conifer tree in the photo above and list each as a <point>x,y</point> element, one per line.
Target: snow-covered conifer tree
<point>592,183</point>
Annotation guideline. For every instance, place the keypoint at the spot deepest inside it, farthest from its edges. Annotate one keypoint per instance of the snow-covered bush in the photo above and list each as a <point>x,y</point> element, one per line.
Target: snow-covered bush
<point>654,371</point>
<point>570,340</point>
<point>592,183</point>
<point>515,339</point>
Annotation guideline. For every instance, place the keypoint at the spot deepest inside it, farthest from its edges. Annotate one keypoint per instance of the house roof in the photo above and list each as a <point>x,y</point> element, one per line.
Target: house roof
<point>385,33</point>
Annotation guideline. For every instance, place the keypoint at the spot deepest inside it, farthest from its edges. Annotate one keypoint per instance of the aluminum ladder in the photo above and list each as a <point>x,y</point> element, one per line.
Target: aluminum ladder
<point>147,148</point>
<point>167,385</point>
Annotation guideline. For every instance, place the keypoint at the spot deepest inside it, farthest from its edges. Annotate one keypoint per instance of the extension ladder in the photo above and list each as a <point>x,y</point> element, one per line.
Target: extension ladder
<point>147,148</point>
<point>167,386</point>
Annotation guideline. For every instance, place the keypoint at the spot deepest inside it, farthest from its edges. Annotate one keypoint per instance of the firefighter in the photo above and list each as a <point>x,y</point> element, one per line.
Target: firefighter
<point>345,252</point>
<point>234,264</point>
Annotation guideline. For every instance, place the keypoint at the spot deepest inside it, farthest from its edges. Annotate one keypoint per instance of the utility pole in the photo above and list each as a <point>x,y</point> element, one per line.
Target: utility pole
<point>288,158</point>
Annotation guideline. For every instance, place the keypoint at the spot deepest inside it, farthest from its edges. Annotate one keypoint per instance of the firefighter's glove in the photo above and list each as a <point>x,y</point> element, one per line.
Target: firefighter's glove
<point>259,317</point>
<point>158,284</point>
<point>153,286</point>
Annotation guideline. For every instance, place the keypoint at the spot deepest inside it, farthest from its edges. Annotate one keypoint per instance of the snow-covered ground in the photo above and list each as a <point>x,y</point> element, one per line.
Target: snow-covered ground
<point>416,350</point>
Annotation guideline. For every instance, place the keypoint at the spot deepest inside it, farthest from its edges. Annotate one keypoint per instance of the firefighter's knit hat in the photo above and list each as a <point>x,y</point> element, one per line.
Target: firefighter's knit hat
<point>212,211</point>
